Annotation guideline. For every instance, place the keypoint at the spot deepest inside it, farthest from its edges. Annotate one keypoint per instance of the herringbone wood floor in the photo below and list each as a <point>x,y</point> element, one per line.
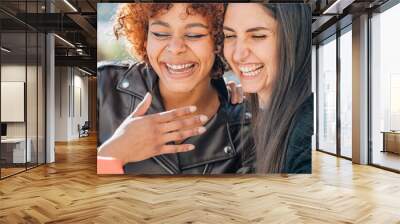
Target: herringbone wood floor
<point>69,191</point>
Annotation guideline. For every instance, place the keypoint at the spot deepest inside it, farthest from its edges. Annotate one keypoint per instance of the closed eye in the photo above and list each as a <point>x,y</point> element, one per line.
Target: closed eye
<point>195,36</point>
<point>161,35</point>
<point>229,36</point>
<point>259,36</point>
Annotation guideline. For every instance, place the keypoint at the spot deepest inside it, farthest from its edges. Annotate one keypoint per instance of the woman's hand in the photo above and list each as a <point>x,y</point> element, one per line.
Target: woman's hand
<point>236,92</point>
<point>140,136</point>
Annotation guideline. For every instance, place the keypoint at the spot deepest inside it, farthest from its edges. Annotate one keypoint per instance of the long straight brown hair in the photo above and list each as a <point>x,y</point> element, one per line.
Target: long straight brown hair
<point>274,123</point>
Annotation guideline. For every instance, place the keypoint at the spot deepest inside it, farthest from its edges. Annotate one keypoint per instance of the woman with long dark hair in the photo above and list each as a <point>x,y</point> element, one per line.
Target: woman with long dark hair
<point>268,46</point>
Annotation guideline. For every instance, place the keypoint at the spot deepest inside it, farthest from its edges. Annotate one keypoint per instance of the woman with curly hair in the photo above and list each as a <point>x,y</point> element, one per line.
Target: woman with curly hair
<point>179,71</point>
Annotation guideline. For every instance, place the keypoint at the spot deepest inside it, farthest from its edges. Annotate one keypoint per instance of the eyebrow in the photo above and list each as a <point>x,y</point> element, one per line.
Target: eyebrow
<point>160,23</point>
<point>249,30</point>
<point>257,29</point>
<point>228,28</point>
<point>191,25</point>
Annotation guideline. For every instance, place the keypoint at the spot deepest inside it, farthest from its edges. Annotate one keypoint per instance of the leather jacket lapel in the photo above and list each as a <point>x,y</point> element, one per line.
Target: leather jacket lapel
<point>138,86</point>
<point>169,160</point>
<point>138,80</point>
<point>207,152</point>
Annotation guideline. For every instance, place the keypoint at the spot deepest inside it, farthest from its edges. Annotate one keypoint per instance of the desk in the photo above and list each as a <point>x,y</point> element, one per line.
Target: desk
<point>15,148</point>
<point>391,141</point>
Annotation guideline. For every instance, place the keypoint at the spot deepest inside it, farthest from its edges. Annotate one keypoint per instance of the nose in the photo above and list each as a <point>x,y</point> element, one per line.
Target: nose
<point>176,45</point>
<point>241,52</point>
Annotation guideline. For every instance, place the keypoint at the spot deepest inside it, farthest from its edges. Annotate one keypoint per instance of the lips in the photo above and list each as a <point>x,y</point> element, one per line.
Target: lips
<point>250,70</point>
<point>180,70</point>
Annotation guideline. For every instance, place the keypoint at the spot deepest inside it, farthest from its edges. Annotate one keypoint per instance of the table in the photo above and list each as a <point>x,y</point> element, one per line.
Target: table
<point>391,141</point>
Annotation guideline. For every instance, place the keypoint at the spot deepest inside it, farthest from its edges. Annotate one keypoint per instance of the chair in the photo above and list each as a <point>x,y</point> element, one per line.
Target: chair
<point>84,130</point>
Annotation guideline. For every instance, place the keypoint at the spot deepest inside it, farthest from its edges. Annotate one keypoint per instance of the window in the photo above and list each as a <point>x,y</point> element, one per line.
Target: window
<point>385,88</point>
<point>22,68</point>
<point>314,90</point>
<point>346,93</point>
<point>327,96</point>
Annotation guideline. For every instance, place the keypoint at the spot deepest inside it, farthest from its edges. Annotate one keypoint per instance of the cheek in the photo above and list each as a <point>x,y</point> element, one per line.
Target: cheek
<point>204,51</point>
<point>228,49</point>
<point>267,53</point>
<point>273,63</point>
<point>150,50</point>
<point>153,49</point>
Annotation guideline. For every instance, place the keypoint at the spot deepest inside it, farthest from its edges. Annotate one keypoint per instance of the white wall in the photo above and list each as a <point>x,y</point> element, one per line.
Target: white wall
<point>61,103</point>
<point>16,73</point>
<point>70,83</point>
<point>79,117</point>
<point>33,126</point>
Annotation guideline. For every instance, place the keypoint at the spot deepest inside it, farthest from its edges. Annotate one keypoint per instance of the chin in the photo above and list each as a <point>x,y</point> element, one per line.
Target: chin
<point>180,88</point>
<point>250,87</point>
<point>250,90</point>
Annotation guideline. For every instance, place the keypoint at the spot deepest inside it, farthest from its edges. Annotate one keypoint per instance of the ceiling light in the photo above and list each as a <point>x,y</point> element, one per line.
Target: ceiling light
<point>64,40</point>
<point>5,49</point>
<point>70,5</point>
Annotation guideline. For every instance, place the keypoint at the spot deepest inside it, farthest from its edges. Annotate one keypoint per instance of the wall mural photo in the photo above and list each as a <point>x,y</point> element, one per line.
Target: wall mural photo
<point>204,89</point>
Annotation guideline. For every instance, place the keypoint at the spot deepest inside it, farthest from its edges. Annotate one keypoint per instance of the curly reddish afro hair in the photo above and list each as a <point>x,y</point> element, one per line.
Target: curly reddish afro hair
<point>132,22</point>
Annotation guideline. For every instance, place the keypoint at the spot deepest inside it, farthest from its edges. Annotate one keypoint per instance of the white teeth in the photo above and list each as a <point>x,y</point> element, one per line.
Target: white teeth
<point>179,66</point>
<point>251,70</point>
<point>251,73</point>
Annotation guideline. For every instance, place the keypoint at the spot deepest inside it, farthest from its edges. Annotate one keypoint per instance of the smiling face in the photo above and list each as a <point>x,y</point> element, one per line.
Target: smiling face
<point>250,46</point>
<point>180,49</point>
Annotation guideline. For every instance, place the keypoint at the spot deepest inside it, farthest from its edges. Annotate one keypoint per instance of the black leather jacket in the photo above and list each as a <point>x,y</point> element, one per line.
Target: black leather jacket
<point>226,146</point>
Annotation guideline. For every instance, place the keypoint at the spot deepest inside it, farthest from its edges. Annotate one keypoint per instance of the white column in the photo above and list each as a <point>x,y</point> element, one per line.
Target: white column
<point>50,93</point>
<point>360,90</point>
<point>50,110</point>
